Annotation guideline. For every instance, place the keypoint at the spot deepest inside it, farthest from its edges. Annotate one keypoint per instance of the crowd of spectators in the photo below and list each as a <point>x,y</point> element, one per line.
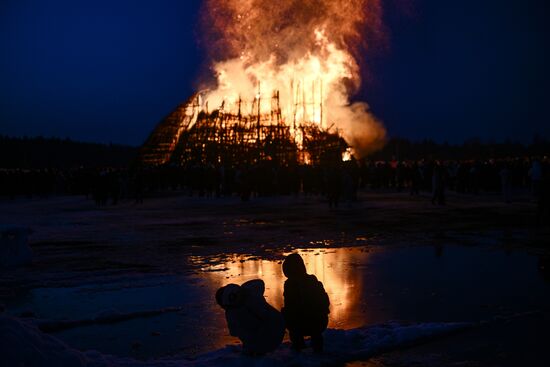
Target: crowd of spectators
<point>336,181</point>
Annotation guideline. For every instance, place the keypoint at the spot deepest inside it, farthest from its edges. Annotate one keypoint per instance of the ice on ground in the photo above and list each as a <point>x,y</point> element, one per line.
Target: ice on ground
<point>14,247</point>
<point>23,344</point>
<point>106,317</point>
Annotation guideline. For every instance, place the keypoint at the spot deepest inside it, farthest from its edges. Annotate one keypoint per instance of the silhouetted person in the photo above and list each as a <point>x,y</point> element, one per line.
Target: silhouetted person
<point>306,304</point>
<point>438,185</point>
<point>139,187</point>
<point>506,183</point>
<point>333,180</point>
<point>415,178</point>
<point>535,174</point>
<point>249,317</point>
<point>242,178</point>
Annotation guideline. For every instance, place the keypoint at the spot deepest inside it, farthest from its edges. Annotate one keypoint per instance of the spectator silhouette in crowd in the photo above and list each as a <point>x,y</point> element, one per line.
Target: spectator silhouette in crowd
<point>438,185</point>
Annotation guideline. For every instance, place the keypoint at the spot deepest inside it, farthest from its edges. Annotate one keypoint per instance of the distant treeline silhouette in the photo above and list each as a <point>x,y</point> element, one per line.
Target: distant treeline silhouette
<point>472,149</point>
<point>40,152</point>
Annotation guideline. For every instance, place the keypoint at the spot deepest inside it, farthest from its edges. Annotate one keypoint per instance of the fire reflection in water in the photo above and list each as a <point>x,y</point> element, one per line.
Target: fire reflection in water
<point>334,267</point>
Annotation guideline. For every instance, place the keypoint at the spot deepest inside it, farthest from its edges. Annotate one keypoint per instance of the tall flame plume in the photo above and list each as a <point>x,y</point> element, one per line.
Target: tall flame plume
<point>305,51</point>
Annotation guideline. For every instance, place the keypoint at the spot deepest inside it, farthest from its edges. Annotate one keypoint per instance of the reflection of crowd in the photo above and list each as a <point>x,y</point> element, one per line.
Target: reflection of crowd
<point>336,180</point>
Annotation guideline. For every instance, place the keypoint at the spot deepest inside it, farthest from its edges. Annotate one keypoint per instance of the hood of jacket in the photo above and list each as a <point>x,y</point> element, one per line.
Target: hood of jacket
<point>294,267</point>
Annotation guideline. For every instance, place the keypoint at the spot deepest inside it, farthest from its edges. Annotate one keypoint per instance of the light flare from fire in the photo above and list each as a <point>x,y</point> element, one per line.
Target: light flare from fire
<point>300,51</point>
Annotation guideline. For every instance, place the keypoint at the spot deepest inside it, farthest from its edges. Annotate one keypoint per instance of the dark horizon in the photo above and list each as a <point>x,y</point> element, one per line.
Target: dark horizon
<point>46,152</point>
<point>536,138</point>
<point>108,73</point>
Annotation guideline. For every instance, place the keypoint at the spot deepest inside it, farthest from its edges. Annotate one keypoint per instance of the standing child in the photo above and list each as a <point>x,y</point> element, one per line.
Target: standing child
<point>306,304</point>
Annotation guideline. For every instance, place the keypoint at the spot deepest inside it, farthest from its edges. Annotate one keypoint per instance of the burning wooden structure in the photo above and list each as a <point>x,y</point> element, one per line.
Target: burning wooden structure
<point>192,134</point>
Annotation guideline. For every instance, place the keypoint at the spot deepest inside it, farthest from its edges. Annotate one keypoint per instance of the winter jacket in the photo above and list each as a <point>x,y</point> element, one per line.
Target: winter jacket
<point>306,304</point>
<point>249,317</point>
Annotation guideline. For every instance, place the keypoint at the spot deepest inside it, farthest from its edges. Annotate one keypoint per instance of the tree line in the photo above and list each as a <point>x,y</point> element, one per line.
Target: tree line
<point>40,152</point>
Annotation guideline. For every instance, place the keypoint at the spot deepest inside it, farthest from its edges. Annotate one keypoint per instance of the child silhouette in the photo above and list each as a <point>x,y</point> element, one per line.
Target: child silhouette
<point>306,304</point>
<point>249,317</point>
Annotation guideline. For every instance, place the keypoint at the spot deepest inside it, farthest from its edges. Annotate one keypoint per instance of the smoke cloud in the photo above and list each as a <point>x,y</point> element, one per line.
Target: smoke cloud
<point>309,50</point>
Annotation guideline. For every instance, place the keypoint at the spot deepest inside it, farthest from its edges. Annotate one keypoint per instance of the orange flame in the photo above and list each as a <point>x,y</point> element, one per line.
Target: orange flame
<point>303,50</point>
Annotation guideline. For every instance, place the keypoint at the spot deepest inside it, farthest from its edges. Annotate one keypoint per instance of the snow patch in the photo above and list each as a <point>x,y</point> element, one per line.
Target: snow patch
<point>23,344</point>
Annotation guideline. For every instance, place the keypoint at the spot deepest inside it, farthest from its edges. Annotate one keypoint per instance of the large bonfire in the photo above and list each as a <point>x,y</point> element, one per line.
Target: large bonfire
<point>284,72</point>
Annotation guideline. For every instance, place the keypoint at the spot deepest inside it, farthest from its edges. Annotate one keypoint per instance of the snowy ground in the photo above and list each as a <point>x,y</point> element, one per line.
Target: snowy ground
<point>137,281</point>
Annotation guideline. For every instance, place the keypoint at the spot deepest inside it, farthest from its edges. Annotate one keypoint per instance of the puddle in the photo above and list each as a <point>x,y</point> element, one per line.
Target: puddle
<point>416,284</point>
<point>365,285</point>
<point>336,268</point>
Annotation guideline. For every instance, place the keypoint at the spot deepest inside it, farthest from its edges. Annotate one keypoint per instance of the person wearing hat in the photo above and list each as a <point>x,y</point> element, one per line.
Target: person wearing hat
<point>258,325</point>
<point>306,305</point>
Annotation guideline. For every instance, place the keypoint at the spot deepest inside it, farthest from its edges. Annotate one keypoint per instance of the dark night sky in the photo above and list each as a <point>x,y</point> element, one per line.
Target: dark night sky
<point>108,71</point>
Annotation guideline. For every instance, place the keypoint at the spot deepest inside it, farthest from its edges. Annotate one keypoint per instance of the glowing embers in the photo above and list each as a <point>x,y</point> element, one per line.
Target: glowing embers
<point>347,155</point>
<point>194,134</point>
<point>247,135</point>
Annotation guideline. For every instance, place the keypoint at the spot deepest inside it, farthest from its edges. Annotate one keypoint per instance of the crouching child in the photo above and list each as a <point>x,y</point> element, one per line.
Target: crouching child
<point>258,325</point>
<point>306,305</point>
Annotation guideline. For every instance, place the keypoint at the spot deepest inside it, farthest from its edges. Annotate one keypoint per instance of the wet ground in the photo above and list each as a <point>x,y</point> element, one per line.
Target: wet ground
<point>139,280</point>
